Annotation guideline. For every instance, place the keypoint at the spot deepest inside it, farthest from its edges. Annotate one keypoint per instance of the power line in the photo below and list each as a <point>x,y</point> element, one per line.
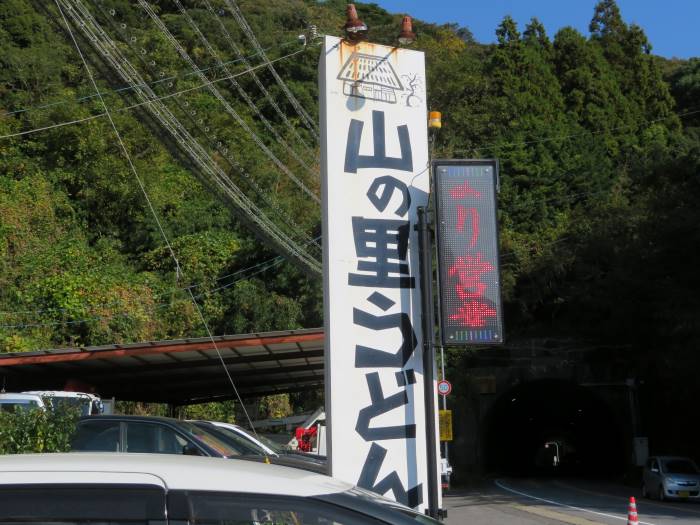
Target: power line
<point>243,93</point>
<point>120,141</point>
<point>246,210</point>
<point>218,145</point>
<point>273,261</point>
<point>124,89</point>
<point>265,266</point>
<point>153,212</point>
<point>243,23</point>
<point>232,44</point>
<point>149,101</point>
<point>229,109</point>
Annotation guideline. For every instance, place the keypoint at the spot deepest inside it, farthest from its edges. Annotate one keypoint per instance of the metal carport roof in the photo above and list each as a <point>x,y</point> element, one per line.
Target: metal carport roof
<point>178,371</point>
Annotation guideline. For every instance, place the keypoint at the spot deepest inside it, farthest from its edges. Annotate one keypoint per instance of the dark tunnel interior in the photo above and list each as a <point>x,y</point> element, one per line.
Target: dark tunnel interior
<point>551,427</point>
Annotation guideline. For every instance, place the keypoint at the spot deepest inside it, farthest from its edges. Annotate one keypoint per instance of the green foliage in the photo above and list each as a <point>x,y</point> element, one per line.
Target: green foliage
<point>27,431</point>
<point>685,86</point>
<point>597,174</point>
<point>275,406</point>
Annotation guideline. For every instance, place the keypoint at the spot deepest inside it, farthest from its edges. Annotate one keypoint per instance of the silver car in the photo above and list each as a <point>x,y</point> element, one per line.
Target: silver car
<point>671,477</point>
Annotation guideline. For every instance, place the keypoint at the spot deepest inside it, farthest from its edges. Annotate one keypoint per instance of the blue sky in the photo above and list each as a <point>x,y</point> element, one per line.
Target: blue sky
<point>670,25</point>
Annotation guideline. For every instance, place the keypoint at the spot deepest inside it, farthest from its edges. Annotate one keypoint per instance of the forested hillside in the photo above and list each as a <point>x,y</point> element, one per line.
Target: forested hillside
<point>598,139</point>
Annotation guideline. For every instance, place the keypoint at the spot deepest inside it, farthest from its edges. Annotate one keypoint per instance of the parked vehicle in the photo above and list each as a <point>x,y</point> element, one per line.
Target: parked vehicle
<point>267,445</point>
<point>160,435</point>
<point>10,401</point>
<point>310,437</point>
<point>276,455</point>
<point>87,403</point>
<point>671,477</point>
<point>152,488</point>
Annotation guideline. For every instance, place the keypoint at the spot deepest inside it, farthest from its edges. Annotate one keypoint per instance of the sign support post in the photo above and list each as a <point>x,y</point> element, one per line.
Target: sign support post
<point>426,288</point>
<point>444,406</point>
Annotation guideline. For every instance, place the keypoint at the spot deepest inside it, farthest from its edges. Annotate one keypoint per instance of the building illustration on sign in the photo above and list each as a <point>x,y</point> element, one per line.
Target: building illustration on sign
<point>371,77</point>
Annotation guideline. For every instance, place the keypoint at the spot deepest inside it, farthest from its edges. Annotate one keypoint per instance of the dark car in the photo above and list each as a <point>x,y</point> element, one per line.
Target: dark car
<point>257,453</point>
<point>164,435</point>
<point>160,435</point>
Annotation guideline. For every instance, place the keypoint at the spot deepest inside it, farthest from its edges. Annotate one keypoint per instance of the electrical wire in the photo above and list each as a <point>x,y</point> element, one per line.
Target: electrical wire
<point>218,146</point>
<point>209,169</point>
<point>155,216</point>
<point>120,141</point>
<point>239,89</point>
<point>124,89</point>
<point>270,99</point>
<point>265,266</point>
<point>229,109</point>
<point>151,100</point>
<point>247,210</point>
<point>243,23</point>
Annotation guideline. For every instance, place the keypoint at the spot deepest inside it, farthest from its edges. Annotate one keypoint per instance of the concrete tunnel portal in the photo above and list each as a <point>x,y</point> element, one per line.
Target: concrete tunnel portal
<point>553,427</point>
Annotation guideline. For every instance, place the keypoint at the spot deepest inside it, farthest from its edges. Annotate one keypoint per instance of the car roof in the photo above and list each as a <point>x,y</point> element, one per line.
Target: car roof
<point>60,393</point>
<point>176,472</point>
<point>17,395</point>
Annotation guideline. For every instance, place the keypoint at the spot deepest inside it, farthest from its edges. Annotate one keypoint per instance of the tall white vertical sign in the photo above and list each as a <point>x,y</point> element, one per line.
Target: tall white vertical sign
<point>375,174</point>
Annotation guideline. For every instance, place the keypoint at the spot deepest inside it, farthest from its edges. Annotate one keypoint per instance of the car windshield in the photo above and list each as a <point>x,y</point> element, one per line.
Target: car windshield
<point>680,466</point>
<point>275,447</point>
<point>211,440</point>
<point>10,405</point>
<point>243,445</point>
<point>279,449</point>
<point>59,402</point>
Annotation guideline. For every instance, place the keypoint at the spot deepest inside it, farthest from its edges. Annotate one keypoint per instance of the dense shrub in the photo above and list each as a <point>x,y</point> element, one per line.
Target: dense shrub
<point>26,431</point>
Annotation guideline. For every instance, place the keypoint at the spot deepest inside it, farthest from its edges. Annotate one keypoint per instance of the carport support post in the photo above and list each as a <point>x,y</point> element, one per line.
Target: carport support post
<point>173,410</point>
<point>426,293</point>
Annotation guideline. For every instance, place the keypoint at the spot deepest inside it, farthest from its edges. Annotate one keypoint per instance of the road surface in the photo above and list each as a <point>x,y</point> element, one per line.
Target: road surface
<point>510,501</point>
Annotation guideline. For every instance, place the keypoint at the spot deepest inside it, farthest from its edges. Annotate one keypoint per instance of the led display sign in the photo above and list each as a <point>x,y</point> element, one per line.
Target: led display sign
<point>467,241</point>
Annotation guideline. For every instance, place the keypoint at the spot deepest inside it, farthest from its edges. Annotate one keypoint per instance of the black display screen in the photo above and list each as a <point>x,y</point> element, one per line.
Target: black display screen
<point>467,240</point>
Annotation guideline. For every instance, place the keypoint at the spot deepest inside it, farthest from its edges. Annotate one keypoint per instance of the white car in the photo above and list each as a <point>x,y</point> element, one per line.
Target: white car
<point>142,489</point>
<point>9,401</point>
<point>671,477</point>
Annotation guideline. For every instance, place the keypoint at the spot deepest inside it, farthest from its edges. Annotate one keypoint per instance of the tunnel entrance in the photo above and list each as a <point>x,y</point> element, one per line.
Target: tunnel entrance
<point>552,427</point>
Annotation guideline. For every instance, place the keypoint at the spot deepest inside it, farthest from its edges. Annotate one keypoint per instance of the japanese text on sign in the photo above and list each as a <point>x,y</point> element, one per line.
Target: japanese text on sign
<point>374,160</point>
<point>470,298</point>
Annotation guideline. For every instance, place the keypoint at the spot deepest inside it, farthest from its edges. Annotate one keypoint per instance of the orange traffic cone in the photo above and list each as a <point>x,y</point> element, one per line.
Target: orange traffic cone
<point>632,518</point>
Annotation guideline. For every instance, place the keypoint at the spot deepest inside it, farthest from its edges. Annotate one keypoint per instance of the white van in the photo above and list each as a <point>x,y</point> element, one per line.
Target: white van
<point>9,401</point>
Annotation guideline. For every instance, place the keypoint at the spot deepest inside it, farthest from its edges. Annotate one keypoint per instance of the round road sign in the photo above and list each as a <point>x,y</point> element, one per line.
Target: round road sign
<point>444,387</point>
